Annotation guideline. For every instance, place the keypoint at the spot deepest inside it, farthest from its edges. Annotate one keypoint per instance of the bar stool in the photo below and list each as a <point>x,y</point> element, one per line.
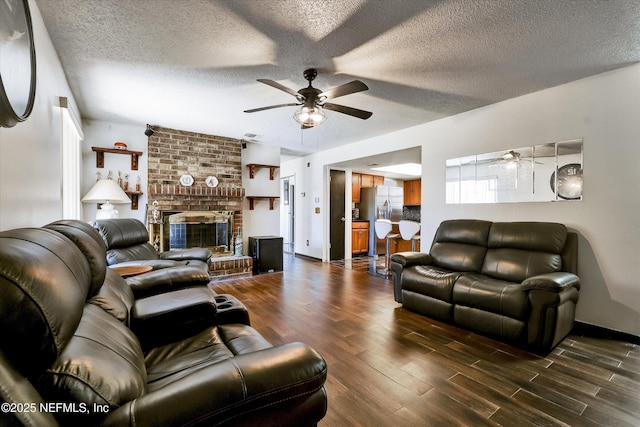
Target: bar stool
<point>409,231</point>
<point>383,229</point>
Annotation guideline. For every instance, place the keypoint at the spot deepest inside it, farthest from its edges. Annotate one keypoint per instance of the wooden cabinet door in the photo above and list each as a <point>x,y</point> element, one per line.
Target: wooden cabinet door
<point>378,180</point>
<point>356,183</point>
<point>412,192</point>
<point>367,180</point>
<point>360,238</point>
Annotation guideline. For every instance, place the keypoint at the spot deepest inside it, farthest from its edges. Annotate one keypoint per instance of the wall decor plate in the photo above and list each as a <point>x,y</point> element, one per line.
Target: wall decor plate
<point>186,180</point>
<point>18,65</point>
<point>211,181</point>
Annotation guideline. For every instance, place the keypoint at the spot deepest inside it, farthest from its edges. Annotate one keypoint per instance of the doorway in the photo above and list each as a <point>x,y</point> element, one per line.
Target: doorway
<point>337,215</point>
<point>287,218</point>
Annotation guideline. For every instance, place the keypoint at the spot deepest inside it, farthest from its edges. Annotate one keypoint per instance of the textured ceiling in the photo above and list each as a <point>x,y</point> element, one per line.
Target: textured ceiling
<point>193,64</point>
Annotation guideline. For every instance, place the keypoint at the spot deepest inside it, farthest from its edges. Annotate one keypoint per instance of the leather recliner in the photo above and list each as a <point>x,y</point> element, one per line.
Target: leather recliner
<point>75,363</point>
<point>127,241</point>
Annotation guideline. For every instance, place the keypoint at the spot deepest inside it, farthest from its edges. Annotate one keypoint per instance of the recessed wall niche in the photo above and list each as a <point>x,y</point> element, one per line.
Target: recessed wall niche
<point>540,173</point>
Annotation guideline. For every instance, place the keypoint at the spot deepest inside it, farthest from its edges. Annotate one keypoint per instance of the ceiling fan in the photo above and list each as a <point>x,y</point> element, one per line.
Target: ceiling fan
<point>313,100</point>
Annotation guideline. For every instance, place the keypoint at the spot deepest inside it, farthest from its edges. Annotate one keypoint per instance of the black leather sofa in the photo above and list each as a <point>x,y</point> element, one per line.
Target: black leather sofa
<point>70,355</point>
<point>127,241</point>
<point>512,280</point>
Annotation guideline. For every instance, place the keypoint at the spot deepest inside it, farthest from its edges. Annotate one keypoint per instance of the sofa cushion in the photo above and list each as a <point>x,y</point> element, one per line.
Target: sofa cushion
<point>122,233</point>
<point>88,240</point>
<point>173,361</point>
<point>429,280</point>
<point>115,297</point>
<point>488,294</point>
<point>516,265</point>
<point>532,236</point>
<point>136,252</point>
<point>518,250</point>
<point>102,364</point>
<point>44,283</point>
<point>460,245</point>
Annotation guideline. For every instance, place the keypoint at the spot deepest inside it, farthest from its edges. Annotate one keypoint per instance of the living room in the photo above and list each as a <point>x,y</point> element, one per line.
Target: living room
<point>600,109</point>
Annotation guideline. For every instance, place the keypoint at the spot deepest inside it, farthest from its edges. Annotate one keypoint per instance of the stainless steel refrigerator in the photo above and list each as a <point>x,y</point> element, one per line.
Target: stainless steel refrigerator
<point>382,202</point>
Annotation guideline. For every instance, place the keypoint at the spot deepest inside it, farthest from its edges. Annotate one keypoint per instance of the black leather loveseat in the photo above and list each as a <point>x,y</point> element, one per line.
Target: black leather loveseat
<point>512,280</point>
<point>67,358</point>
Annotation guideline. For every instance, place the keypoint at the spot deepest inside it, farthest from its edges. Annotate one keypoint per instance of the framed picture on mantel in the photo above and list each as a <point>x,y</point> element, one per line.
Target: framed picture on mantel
<point>18,64</point>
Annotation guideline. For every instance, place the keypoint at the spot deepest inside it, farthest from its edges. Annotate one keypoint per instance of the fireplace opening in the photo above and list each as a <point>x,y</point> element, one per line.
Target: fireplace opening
<point>201,229</point>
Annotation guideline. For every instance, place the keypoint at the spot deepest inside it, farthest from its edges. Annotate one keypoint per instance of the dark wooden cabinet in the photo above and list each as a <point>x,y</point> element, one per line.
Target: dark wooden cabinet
<point>360,237</point>
<point>412,192</point>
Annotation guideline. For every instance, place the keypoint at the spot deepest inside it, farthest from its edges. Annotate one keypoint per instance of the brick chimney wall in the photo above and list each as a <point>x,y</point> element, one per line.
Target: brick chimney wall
<point>173,153</point>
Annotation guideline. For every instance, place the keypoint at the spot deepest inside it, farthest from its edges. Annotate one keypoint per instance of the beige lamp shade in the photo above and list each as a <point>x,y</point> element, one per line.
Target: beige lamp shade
<point>106,191</point>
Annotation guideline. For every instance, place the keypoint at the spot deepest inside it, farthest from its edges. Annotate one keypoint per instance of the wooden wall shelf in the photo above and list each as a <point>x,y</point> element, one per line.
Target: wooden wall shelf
<point>271,199</point>
<point>253,166</point>
<point>134,198</point>
<point>100,156</point>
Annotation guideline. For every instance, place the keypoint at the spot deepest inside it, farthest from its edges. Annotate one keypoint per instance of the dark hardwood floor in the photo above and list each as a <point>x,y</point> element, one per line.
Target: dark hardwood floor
<point>391,367</point>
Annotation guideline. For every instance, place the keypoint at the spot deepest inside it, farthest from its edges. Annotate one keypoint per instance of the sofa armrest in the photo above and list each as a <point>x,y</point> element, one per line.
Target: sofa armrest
<point>202,254</point>
<point>167,279</point>
<point>168,317</point>
<point>231,389</point>
<point>554,282</point>
<point>407,259</point>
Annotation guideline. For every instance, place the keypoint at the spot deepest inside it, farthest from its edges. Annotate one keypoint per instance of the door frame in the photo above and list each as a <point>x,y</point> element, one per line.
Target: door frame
<point>326,255</point>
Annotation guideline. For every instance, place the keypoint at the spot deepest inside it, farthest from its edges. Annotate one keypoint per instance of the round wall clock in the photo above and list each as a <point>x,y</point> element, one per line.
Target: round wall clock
<point>568,184</point>
<point>18,65</point>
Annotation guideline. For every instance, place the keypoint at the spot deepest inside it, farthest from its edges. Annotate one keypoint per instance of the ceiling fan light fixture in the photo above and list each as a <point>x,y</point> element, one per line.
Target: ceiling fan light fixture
<point>310,116</point>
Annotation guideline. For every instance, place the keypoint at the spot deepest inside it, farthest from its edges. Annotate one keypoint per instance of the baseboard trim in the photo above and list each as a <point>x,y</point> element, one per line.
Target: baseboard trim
<point>582,328</point>
<point>307,257</point>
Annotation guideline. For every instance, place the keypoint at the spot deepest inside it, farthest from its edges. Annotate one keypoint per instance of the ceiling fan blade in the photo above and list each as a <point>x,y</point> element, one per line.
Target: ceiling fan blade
<point>280,86</point>
<point>345,89</point>
<point>270,107</point>
<point>361,114</point>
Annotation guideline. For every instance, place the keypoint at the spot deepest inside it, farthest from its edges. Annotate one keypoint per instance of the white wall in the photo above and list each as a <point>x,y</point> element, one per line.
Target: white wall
<point>603,110</point>
<point>30,152</point>
<point>261,221</point>
<point>105,134</point>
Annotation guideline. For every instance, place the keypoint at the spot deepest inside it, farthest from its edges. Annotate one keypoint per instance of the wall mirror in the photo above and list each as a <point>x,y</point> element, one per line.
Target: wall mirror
<point>540,173</point>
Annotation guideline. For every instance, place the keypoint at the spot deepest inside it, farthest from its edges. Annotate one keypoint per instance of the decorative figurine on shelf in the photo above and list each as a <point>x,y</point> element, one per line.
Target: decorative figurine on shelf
<point>155,213</point>
<point>109,175</point>
<point>138,184</point>
<point>98,176</point>
<point>119,179</point>
<point>238,246</point>
<point>125,185</point>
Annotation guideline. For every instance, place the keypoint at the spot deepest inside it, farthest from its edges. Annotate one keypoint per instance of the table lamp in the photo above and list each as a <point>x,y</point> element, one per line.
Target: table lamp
<point>107,192</point>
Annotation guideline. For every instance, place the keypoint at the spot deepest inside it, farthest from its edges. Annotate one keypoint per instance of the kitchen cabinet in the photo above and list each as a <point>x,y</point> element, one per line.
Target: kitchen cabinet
<point>366,180</point>
<point>362,180</point>
<point>356,182</point>
<point>412,192</point>
<point>359,237</point>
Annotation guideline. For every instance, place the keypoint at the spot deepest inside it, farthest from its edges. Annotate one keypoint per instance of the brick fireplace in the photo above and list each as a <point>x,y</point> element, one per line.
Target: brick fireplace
<point>174,153</point>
